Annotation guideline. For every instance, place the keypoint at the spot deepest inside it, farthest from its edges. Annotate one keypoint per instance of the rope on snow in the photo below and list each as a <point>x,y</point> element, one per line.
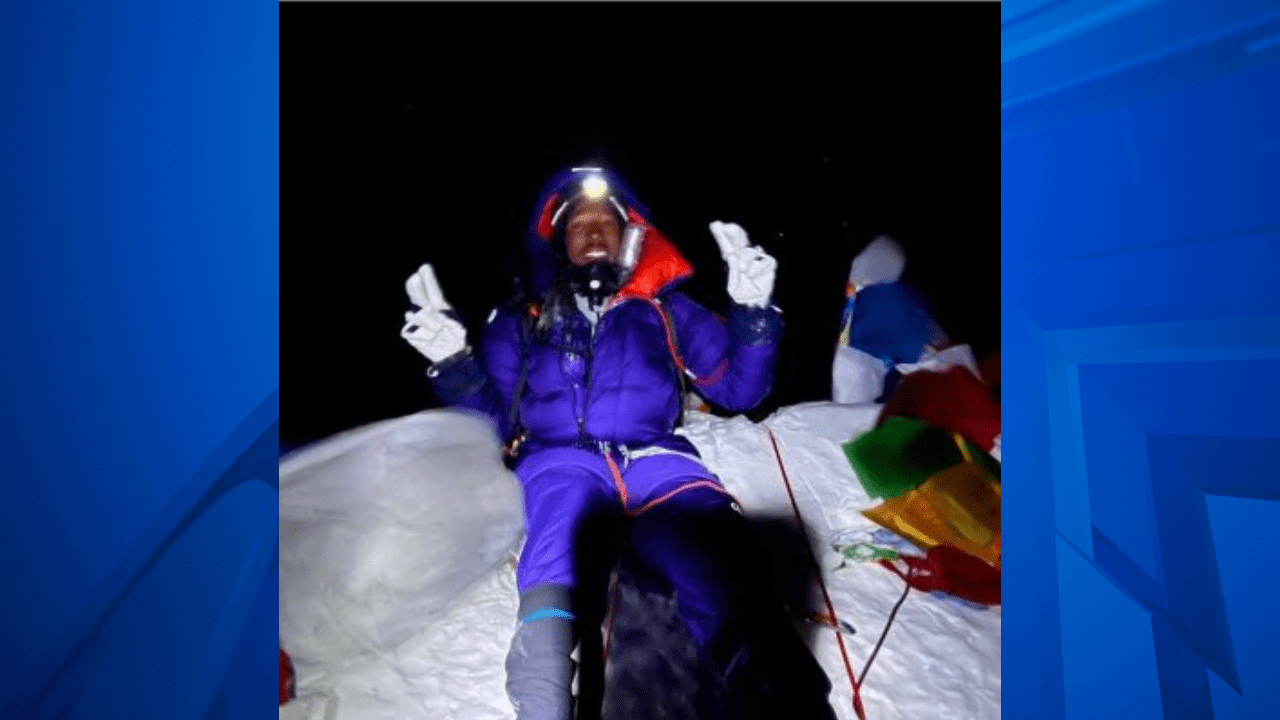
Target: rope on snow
<point>855,683</point>
<point>826,597</point>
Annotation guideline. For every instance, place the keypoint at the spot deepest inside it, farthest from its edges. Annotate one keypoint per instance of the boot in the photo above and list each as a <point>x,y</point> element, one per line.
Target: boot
<point>768,673</point>
<point>540,668</point>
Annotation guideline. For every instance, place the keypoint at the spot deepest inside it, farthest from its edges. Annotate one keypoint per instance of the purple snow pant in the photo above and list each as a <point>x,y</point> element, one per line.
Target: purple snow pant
<point>673,511</point>
<point>682,533</point>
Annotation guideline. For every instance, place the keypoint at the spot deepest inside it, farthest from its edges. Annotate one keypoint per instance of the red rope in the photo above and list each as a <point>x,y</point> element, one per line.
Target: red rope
<point>848,666</point>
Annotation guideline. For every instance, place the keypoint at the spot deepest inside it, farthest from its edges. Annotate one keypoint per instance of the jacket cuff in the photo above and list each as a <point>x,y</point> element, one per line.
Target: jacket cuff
<point>456,377</point>
<point>755,326</point>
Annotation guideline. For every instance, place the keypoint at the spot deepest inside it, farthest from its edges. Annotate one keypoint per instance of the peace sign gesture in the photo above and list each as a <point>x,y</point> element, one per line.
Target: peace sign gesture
<point>751,270</point>
<point>429,329</point>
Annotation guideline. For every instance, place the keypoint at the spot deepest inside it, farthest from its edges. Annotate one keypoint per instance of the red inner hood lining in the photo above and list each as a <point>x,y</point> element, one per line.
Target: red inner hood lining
<point>659,266</point>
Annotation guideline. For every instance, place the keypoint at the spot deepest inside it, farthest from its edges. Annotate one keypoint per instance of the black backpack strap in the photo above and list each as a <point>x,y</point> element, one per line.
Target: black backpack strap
<point>525,330</point>
<point>514,413</point>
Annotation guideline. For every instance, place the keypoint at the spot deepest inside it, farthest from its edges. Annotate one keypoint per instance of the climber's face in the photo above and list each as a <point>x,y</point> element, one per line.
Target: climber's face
<point>593,233</point>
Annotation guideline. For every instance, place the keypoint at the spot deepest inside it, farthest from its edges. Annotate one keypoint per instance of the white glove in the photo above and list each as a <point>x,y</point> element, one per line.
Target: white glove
<point>751,270</point>
<point>428,329</point>
<point>881,261</point>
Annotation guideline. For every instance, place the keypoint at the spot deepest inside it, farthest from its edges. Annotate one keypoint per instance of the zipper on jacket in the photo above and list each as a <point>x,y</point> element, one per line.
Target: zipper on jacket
<point>586,381</point>
<point>586,393</point>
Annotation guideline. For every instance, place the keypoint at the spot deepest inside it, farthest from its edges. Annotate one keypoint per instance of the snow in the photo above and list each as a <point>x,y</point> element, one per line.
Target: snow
<point>367,646</point>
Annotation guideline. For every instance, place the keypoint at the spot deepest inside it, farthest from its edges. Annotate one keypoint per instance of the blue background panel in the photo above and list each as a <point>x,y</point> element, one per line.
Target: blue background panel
<point>1119,486</point>
<point>1031,649</point>
<point>138,334</point>
<point>1191,166</point>
<point>1243,532</point>
<point>1141,347</point>
<point>1110,648</point>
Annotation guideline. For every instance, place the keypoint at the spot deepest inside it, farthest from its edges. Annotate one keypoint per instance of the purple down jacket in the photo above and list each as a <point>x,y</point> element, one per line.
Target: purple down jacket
<point>620,384</point>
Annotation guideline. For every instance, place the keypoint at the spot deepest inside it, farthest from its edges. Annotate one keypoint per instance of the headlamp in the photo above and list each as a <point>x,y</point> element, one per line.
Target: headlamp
<point>594,187</point>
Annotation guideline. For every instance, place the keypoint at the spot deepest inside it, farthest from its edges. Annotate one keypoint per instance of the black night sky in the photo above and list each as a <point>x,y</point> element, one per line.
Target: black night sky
<point>414,133</point>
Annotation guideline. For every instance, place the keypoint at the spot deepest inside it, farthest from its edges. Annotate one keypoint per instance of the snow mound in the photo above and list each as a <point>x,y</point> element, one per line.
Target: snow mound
<point>438,650</point>
<point>383,528</point>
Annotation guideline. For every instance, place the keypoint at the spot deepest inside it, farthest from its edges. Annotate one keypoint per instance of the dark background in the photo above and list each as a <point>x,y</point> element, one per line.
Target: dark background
<point>415,133</point>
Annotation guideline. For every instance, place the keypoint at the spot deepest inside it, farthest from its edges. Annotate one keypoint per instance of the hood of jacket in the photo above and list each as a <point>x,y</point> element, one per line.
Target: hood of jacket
<point>660,265</point>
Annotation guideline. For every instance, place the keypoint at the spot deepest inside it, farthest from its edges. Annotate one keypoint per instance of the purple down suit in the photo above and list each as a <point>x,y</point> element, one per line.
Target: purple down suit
<point>598,402</point>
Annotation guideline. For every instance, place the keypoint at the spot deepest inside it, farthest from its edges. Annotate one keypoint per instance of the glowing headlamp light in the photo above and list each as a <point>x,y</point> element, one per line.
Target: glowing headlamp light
<point>594,187</point>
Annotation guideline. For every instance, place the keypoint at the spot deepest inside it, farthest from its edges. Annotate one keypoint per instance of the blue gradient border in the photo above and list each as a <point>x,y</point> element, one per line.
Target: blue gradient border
<point>139,353</point>
<point>1141,374</point>
<point>102,662</point>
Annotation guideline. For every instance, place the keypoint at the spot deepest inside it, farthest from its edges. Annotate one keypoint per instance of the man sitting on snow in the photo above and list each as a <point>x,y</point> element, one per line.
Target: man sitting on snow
<point>590,375</point>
